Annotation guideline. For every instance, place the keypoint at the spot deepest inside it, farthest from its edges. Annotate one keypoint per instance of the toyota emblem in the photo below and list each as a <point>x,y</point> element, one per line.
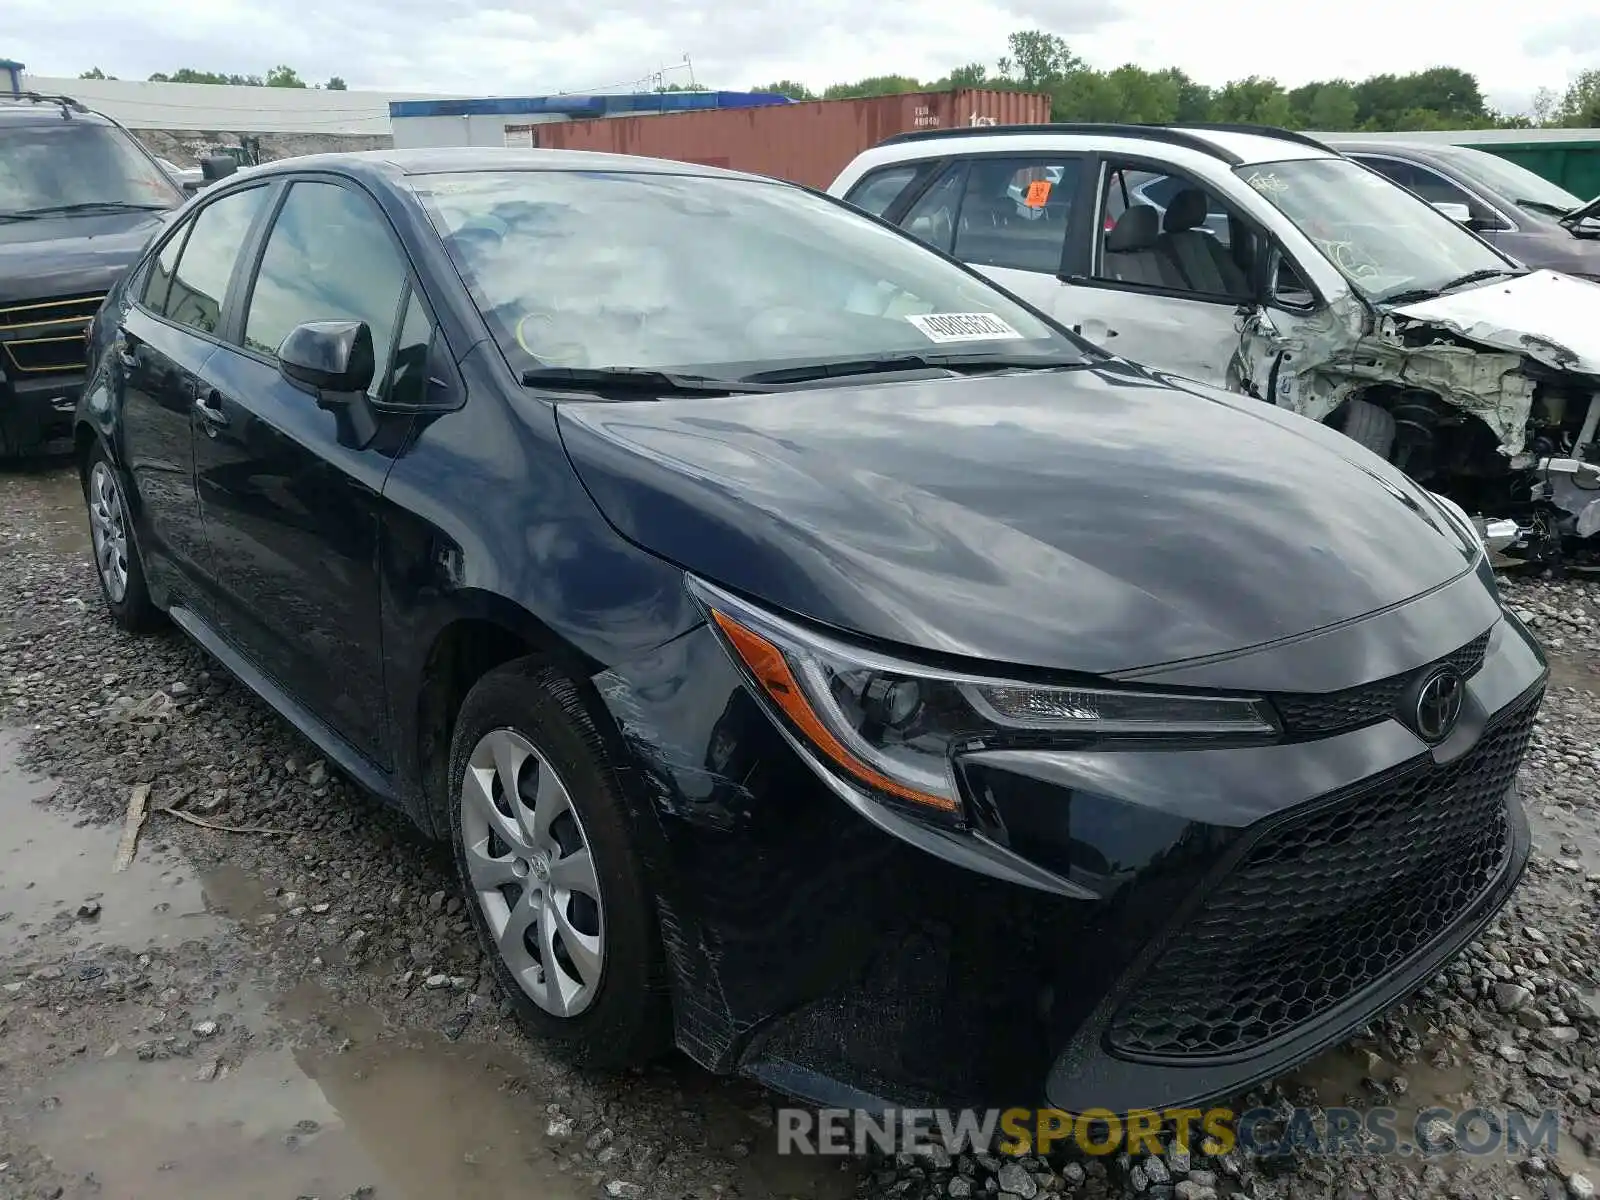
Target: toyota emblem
<point>1438,704</point>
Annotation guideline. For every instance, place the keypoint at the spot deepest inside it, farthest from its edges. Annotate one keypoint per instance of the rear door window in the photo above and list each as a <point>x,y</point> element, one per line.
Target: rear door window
<point>1391,169</point>
<point>1014,212</point>
<point>1434,187</point>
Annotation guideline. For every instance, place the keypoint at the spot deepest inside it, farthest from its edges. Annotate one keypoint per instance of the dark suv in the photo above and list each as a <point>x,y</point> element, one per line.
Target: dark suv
<point>79,199</point>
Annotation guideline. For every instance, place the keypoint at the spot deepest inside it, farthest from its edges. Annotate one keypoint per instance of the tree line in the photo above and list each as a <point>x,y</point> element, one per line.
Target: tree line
<point>279,76</point>
<point>1436,98</point>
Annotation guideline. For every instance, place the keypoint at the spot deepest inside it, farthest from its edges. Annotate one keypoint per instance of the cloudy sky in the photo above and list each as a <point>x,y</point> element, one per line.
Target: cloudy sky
<point>488,47</point>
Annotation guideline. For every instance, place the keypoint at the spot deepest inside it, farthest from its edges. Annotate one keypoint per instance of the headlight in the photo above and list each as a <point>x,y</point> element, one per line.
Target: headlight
<point>896,726</point>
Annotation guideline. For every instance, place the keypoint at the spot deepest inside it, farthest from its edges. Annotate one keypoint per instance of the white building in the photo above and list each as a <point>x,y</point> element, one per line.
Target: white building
<point>251,110</point>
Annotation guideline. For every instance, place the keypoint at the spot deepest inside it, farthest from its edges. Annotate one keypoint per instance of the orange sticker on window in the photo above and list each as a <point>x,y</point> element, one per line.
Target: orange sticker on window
<point>1038,193</point>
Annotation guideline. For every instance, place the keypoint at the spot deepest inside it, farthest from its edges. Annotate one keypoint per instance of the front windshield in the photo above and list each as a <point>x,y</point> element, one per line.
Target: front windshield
<point>60,164</point>
<point>1382,239</point>
<point>1517,184</point>
<point>715,276</point>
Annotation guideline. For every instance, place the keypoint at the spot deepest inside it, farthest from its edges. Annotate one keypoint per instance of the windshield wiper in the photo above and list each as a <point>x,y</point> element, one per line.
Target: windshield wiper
<point>647,380</point>
<point>1410,294</point>
<point>87,206</point>
<point>1543,206</point>
<point>1579,217</point>
<point>885,363</point>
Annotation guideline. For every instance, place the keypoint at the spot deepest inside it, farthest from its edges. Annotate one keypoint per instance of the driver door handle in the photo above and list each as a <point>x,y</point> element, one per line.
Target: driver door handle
<point>209,405</point>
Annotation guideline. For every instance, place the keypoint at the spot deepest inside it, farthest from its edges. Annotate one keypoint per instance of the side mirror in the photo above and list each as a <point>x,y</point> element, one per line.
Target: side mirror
<point>192,185</point>
<point>331,359</point>
<point>1458,213</point>
<point>334,361</point>
<point>217,166</point>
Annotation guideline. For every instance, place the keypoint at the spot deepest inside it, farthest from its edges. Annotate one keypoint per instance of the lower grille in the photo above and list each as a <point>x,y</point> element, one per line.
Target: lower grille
<point>1321,907</point>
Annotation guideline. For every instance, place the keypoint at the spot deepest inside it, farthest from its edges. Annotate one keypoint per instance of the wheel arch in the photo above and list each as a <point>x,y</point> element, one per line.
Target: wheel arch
<point>84,438</point>
<point>483,631</point>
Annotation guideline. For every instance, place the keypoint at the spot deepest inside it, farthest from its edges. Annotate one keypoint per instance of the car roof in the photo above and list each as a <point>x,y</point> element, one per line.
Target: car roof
<point>442,160</point>
<point>13,112</point>
<point>1388,144</point>
<point>1238,145</point>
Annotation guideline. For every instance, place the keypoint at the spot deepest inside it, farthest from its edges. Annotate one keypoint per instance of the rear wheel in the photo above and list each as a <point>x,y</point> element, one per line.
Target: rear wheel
<point>553,882</point>
<point>1364,422</point>
<point>116,557</point>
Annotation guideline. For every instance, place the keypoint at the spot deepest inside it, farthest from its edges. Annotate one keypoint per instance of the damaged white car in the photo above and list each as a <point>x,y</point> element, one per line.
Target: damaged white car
<point>1263,261</point>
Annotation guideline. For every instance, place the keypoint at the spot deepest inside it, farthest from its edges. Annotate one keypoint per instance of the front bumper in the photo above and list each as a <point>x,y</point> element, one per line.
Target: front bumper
<point>36,414</point>
<point>840,961</point>
<point>1397,877</point>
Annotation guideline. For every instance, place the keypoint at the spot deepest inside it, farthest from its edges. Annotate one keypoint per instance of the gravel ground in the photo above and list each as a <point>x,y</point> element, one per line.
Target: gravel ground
<point>300,1010</point>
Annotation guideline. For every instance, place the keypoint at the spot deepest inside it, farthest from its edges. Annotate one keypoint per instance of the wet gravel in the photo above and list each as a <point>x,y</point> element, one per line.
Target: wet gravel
<point>330,941</point>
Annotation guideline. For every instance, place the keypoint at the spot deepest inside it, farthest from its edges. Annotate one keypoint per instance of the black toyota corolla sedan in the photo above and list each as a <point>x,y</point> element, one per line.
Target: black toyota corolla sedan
<point>816,658</point>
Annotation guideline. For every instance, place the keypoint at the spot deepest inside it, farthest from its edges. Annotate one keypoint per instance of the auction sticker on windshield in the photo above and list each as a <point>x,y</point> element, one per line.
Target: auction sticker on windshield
<point>962,327</point>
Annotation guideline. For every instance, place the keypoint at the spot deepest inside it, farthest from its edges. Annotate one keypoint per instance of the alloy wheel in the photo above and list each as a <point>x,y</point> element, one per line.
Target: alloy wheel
<point>108,531</point>
<point>532,875</point>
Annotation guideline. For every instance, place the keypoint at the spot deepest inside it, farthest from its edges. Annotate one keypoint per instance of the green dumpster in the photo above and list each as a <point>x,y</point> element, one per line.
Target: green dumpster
<point>1573,165</point>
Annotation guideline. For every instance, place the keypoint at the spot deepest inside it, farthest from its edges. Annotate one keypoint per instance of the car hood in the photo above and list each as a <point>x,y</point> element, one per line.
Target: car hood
<point>69,256</point>
<point>1546,315</point>
<point>1094,520</point>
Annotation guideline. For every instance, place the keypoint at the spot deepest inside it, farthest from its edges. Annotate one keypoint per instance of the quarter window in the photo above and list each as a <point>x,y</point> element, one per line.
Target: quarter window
<point>932,219</point>
<point>878,190</point>
<point>159,280</point>
<point>330,257</point>
<point>408,377</point>
<point>200,282</point>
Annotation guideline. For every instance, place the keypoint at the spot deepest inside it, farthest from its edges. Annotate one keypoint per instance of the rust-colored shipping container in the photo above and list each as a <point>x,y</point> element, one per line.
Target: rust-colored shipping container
<point>809,143</point>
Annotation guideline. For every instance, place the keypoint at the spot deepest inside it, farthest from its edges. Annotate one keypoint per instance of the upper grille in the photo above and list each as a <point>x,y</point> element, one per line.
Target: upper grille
<point>1323,906</point>
<point>1329,712</point>
<point>47,335</point>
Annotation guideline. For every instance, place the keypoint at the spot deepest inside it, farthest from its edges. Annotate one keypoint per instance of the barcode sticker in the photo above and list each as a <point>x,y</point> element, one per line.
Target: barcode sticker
<point>962,327</point>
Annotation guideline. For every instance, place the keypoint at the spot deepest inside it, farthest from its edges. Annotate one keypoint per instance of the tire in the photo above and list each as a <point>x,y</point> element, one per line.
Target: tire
<point>118,566</point>
<point>1364,422</point>
<point>619,1015</point>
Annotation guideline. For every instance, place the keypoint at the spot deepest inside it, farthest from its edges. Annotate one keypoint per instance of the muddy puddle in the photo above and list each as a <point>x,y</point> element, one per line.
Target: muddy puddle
<point>52,500</point>
<point>58,891</point>
<point>293,1092</point>
<point>1566,836</point>
<point>1353,1076</point>
<point>422,1121</point>
<point>1568,672</point>
<point>408,1115</point>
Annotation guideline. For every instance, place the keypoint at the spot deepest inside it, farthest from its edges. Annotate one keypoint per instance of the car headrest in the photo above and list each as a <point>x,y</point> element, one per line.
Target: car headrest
<point>1188,209</point>
<point>1136,229</point>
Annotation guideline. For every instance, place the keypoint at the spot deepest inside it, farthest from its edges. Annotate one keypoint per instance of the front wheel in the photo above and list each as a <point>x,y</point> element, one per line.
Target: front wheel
<point>1364,422</point>
<point>116,557</point>
<point>553,882</point>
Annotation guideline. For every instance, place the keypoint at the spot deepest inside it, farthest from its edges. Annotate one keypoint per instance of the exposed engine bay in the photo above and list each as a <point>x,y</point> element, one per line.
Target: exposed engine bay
<point>1489,396</point>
